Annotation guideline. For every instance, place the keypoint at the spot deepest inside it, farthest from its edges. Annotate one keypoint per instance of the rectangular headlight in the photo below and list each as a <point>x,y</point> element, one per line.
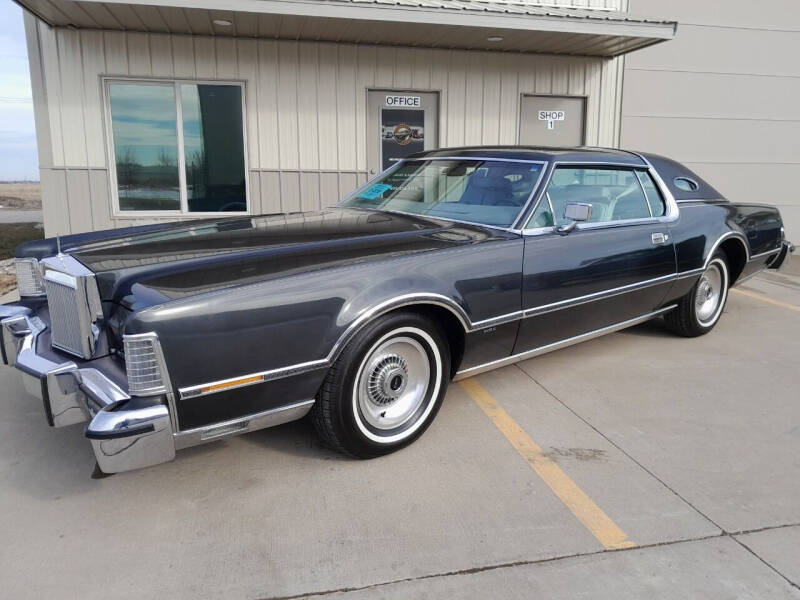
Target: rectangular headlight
<point>144,364</point>
<point>29,277</point>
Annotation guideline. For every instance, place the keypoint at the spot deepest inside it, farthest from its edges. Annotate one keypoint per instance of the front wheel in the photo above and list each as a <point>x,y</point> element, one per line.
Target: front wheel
<point>699,310</point>
<point>385,388</point>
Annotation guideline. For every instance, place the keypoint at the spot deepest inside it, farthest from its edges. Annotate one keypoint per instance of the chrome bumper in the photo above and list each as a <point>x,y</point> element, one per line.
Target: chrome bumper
<point>782,258</point>
<point>125,434</point>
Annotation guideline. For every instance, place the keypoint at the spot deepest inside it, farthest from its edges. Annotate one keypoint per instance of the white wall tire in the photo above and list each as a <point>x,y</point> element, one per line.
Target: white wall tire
<point>386,387</point>
<point>701,308</point>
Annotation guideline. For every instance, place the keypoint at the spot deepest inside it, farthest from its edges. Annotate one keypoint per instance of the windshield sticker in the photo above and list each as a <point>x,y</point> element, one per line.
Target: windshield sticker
<point>374,192</point>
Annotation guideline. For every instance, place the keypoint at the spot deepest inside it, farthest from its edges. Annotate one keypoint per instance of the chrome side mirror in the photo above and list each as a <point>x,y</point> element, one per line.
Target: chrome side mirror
<point>576,212</point>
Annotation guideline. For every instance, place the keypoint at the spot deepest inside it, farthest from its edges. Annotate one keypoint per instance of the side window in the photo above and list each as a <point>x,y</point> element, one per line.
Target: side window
<point>542,216</point>
<point>654,198</point>
<point>615,194</point>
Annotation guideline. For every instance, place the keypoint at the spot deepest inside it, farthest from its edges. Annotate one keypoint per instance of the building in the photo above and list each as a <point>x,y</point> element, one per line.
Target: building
<point>723,97</point>
<point>139,104</point>
<point>163,109</point>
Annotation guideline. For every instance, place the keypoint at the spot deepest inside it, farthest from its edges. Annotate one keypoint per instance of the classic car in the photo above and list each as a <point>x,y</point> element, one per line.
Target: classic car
<point>449,263</point>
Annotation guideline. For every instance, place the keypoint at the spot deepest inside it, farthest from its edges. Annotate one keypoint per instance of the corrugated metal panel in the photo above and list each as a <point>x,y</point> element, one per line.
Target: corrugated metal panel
<point>306,113</point>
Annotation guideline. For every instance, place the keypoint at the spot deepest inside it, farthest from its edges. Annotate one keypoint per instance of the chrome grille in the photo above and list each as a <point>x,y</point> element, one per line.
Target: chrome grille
<point>65,319</point>
<point>143,364</point>
<point>74,303</point>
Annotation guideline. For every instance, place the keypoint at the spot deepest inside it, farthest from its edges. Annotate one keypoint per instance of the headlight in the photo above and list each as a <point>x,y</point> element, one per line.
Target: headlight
<point>29,277</point>
<point>144,364</point>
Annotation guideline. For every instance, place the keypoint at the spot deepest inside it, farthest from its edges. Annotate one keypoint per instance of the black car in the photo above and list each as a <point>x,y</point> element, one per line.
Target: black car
<point>450,263</point>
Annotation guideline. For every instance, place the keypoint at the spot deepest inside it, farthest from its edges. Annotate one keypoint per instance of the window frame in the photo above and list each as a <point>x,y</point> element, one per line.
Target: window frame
<point>183,212</point>
<point>671,211</point>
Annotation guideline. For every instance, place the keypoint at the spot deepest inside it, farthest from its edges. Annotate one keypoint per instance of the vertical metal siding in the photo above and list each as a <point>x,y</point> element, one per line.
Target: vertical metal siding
<point>305,108</point>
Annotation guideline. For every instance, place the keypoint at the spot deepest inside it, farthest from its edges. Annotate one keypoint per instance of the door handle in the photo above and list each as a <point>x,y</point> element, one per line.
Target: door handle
<point>659,238</point>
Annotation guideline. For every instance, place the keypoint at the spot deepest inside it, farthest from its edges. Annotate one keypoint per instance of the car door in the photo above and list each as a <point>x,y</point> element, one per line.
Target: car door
<point>615,267</point>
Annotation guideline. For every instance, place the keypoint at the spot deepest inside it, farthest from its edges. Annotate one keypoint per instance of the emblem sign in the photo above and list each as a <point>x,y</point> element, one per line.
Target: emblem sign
<point>402,128</point>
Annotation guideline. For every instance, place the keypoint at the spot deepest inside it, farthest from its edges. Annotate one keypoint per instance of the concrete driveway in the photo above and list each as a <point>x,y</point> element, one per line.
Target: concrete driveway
<point>639,465</point>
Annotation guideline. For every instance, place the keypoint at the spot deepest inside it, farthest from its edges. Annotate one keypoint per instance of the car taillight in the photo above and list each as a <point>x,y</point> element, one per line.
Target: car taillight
<point>29,277</point>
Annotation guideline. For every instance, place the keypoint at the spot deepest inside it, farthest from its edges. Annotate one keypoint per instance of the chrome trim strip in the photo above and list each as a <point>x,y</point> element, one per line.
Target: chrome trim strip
<point>262,420</point>
<point>197,390</point>
<point>487,158</point>
<point>762,254</point>
<point>496,364</point>
<point>671,215</point>
<point>570,302</point>
<point>691,273</point>
<point>721,239</point>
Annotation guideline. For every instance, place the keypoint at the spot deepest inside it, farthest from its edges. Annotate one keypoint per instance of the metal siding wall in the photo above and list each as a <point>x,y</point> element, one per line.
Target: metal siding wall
<point>305,108</point>
<point>722,97</point>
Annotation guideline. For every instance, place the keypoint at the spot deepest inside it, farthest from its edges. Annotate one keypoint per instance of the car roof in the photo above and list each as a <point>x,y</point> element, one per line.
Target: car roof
<point>539,153</point>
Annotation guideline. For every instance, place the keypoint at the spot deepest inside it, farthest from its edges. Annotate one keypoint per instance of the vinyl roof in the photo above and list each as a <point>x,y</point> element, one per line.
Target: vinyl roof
<point>540,153</point>
<point>461,24</point>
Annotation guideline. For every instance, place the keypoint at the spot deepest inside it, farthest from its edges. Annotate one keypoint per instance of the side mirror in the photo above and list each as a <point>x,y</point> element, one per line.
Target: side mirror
<point>576,212</point>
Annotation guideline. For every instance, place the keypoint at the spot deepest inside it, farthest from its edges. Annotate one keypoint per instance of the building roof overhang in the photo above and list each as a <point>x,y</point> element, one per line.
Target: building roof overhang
<point>452,24</point>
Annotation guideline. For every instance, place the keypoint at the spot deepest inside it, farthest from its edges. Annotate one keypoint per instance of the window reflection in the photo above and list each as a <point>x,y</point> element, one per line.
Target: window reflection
<point>147,137</point>
<point>213,147</point>
<point>145,146</point>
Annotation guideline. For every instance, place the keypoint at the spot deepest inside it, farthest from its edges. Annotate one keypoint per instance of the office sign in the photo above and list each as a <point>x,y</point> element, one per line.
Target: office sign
<point>404,101</point>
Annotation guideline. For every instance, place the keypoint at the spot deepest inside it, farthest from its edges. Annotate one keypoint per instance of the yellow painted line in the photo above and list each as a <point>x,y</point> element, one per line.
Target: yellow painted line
<point>574,498</point>
<point>766,299</point>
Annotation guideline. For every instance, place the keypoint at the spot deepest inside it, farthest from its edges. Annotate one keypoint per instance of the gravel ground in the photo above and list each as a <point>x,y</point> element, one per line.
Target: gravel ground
<point>8,277</point>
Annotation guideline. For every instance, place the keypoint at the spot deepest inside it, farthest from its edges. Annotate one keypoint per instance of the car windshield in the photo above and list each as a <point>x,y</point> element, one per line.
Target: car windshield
<point>489,192</point>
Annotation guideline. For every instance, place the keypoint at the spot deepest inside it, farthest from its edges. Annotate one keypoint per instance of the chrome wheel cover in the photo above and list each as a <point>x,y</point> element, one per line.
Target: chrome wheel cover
<point>710,294</point>
<point>397,385</point>
<point>393,382</point>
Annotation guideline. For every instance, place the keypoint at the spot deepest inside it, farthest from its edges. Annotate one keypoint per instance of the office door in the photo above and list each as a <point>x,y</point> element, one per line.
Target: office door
<point>400,123</point>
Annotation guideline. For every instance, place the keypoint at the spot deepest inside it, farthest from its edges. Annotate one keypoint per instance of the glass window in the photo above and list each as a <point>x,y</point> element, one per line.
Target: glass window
<point>654,198</point>
<point>685,184</point>
<point>213,147</point>
<point>542,216</point>
<point>151,144</point>
<point>145,146</point>
<point>477,191</point>
<point>615,194</point>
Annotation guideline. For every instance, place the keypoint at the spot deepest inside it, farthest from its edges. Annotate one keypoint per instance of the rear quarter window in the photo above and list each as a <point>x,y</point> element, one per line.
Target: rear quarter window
<point>685,184</point>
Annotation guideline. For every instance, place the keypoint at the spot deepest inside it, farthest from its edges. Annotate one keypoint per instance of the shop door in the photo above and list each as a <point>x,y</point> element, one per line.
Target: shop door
<point>400,123</point>
<point>552,121</point>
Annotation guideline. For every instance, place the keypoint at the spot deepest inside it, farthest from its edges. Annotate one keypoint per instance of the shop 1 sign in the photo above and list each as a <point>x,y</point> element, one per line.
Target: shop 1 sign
<point>551,116</point>
<point>403,101</point>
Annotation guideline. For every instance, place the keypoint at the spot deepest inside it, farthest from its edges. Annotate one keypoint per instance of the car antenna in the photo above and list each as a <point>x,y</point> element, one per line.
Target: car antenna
<point>58,244</point>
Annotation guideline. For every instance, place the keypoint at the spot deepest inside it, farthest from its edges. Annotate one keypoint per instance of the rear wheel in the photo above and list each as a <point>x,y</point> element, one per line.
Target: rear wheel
<point>699,311</point>
<point>385,388</point>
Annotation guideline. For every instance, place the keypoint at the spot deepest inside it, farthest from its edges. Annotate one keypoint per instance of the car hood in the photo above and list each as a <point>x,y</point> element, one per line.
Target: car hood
<point>150,267</point>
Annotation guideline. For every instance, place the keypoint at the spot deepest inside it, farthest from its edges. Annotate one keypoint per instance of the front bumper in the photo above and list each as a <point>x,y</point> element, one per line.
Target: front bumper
<point>126,433</point>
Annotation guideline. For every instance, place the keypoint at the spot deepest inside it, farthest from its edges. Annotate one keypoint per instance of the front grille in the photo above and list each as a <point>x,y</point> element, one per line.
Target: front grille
<point>69,320</point>
<point>74,302</point>
<point>143,364</point>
